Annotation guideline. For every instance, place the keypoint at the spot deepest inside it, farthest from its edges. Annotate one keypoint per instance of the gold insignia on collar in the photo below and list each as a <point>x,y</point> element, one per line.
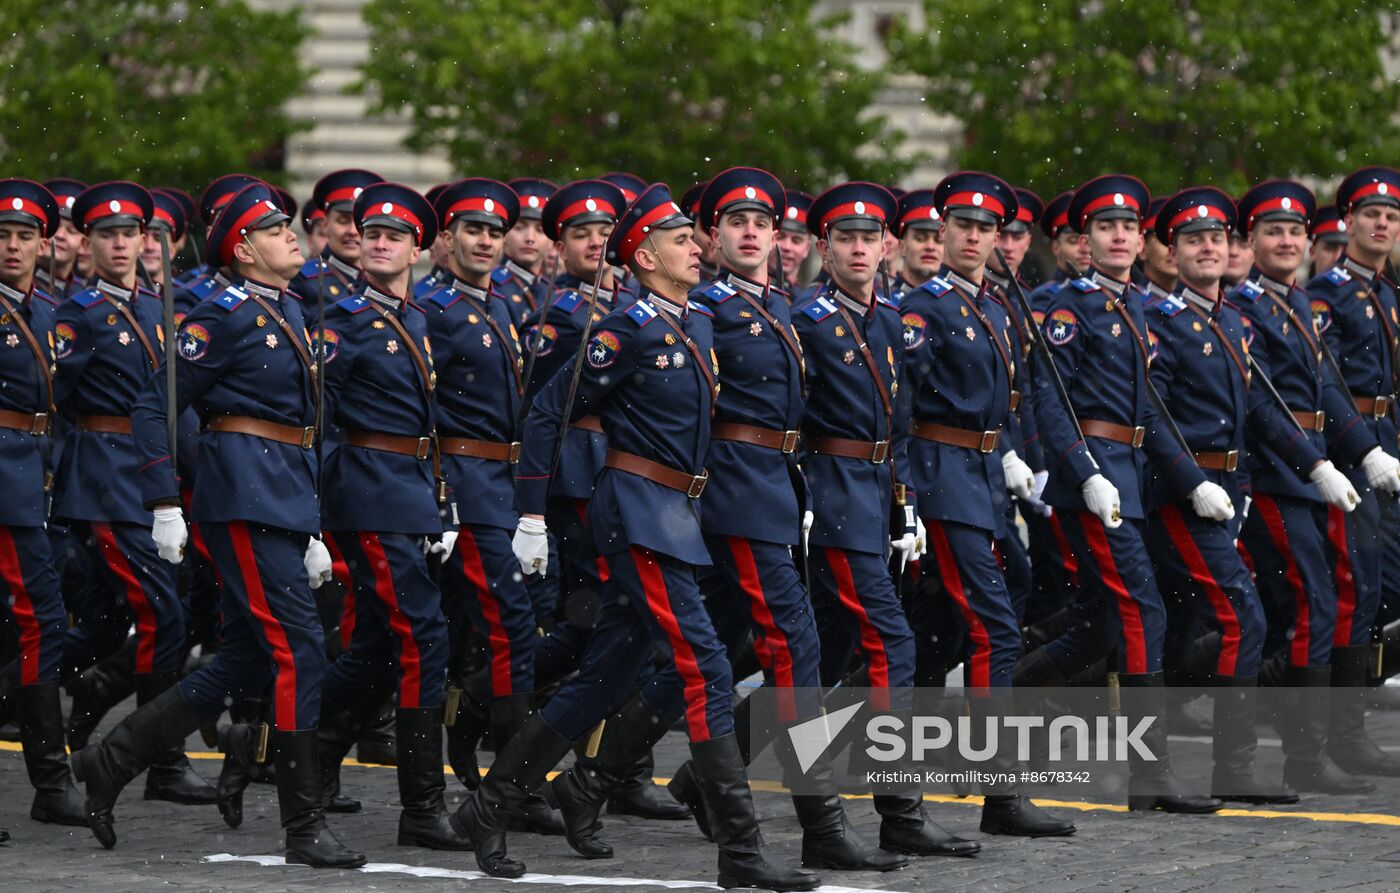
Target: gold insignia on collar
<point>516,298</point>
<point>670,339</point>
<point>261,320</point>
<point>377,324</point>
<point>840,331</point>
<point>1195,325</point>
<point>744,314</point>
<point>473,318</point>
<point>963,310</point>
<point>111,319</point>
<point>1108,305</point>
<point>334,290</point>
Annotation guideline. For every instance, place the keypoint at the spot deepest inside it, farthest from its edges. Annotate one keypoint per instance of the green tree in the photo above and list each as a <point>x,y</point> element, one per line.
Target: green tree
<point>671,89</point>
<point>160,91</point>
<point>1179,93</point>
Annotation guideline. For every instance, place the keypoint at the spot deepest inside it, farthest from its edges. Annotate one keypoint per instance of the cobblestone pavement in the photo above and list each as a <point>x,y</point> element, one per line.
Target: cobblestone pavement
<point>1323,843</point>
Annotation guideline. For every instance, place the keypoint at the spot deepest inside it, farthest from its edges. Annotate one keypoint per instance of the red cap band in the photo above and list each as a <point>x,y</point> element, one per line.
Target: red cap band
<point>25,206</point>
<point>113,208</point>
<point>1198,212</point>
<point>984,201</point>
<point>391,209</point>
<point>742,194</point>
<point>1282,203</point>
<point>236,230</point>
<point>1111,200</point>
<point>478,203</point>
<point>853,209</point>
<point>642,228</point>
<point>1379,187</point>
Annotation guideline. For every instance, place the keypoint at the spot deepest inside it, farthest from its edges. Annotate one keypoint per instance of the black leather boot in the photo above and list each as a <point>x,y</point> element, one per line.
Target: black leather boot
<point>521,765</point>
<point>719,768</point>
<point>334,739</point>
<point>424,821</point>
<point>534,814</point>
<point>1348,744</point>
<point>41,732</point>
<point>238,743</point>
<point>1151,783</point>
<point>1004,809</point>
<point>106,767</point>
<point>1236,775</point>
<point>640,796</point>
<point>171,777</point>
<point>469,726</point>
<point>684,787</point>
<point>376,744</point>
<point>308,840</point>
<point>1302,719</point>
<point>906,828</point>
<point>98,689</point>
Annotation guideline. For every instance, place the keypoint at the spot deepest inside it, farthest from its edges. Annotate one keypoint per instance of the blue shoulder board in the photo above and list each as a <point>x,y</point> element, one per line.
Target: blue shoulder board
<point>1250,291</point>
<point>719,292</point>
<point>445,297</point>
<point>500,275</point>
<point>700,308</point>
<point>1337,275</point>
<point>881,299</point>
<point>820,309</point>
<point>44,296</point>
<point>203,288</point>
<point>353,304</point>
<point>1085,284</point>
<point>641,313</point>
<point>937,287</point>
<point>231,297</point>
<point>87,297</point>
<point>1170,305</point>
<point>569,300</point>
<point>313,267</point>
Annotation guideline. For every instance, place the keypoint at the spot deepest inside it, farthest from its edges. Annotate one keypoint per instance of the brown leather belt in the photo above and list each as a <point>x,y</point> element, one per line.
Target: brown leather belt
<point>981,441</point>
<point>588,423</point>
<point>786,441</point>
<point>481,449</point>
<point>274,431</point>
<point>691,485</point>
<point>1310,421</point>
<point>1015,399</point>
<point>1113,431</point>
<point>871,451</point>
<point>1375,407</point>
<point>36,423</point>
<point>403,445</point>
<point>1218,461</point>
<point>106,424</point>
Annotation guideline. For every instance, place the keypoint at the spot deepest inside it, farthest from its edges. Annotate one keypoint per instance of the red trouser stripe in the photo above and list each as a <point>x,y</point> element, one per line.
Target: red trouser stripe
<point>498,640</point>
<point>340,570</point>
<point>1067,559</point>
<point>1134,642</point>
<point>775,643</point>
<point>285,689</point>
<point>135,596</point>
<point>980,661</point>
<point>1199,570</point>
<point>1345,576</point>
<point>409,665</point>
<point>871,642</point>
<point>22,608</point>
<point>1268,510</point>
<point>654,586</point>
<point>601,563</point>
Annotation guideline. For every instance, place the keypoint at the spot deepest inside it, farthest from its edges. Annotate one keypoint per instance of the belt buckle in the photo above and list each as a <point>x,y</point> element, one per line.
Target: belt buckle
<point>789,442</point>
<point>1319,419</point>
<point>1382,405</point>
<point>308,437</point>
<point>697,484</point>
<point>880,452</point>
<point>1138,433</point>
<point>1232,460</point>
<point>513,454</point>
<point>425,444</point>
<point>989,441</point>
<point>40,425</point>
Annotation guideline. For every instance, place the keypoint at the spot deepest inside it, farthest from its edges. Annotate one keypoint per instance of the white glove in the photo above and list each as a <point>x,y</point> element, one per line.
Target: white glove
<point>1209,500</point>
<point>169,533</point>
<point>1036,503</point>
<point>910,544</point>
<point>1101,498</point>
<point>317,562</point>
<point>442,546</point>
<point>1334,486</point>
<point>531,546</point>
<point>807,519</point>
<point>1020,480</point>
<point>1382,471</point>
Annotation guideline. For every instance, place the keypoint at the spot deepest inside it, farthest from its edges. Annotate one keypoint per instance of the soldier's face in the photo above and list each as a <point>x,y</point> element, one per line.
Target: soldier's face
<point>1200,257</point>
<point>1161,266</point>
<point>274,248</point>
<point>1239,258</point>
<point>967,244</point>
<point>1326,254</point>
<point>387,252</point>
<point>1070,248</point>
<point>441,249</point>
<point>1114,245</point>
<point>476,248</point>
<point>525,243</point>
<point>1373,230</point>
<point>795,247</point>
<point>1278,247</point>
<point>316,238</point>
<point>1014,247</point>
<point>853,256</point>
<point>150,252</point>
<point>922,250</point>
<point>582,247</point>
<point>342,235</point>
<point>19,251</point>
<point>114,251</point>
<point>745,242</point>
<point>673,254</point>
<point>65,242</point>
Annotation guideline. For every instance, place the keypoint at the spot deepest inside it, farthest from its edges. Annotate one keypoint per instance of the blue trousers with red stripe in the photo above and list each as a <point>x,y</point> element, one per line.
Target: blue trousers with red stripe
<point>1287,542</point>
<point>129,582</point>
<point>33,603</point>
<point>972,578</point>
<point>581,578</point>
<point>271,632</point>
<point>1116,583</point>
<point>1054,567</point>
<point>1359,581</point>
<point>398,623</point>
<point>857,604</point>
<point>1015,561</point>
<point>482,585</point>
<point>1198,566</point>
<point>650,599</point>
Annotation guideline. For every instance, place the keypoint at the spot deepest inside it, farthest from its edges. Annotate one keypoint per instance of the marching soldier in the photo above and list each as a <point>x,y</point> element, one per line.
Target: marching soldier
<point>794,243</point>
<point>919,230</point>
<point>313,223</point>
<point>1329,239</point>
<point>520,279</point>
<point>1239,260</point>
<point>243,360</point>
<point>33,604</point>
<point>383,509</point>
<point>107,341</point>
<point>1286,533</point>
<point>1067,247</point>
<point>333,274</point>
<point>168,216</point>
<point>202,280</point>
<point>57,274</point>
<point>438,253</point>
<point>1158,263</point>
